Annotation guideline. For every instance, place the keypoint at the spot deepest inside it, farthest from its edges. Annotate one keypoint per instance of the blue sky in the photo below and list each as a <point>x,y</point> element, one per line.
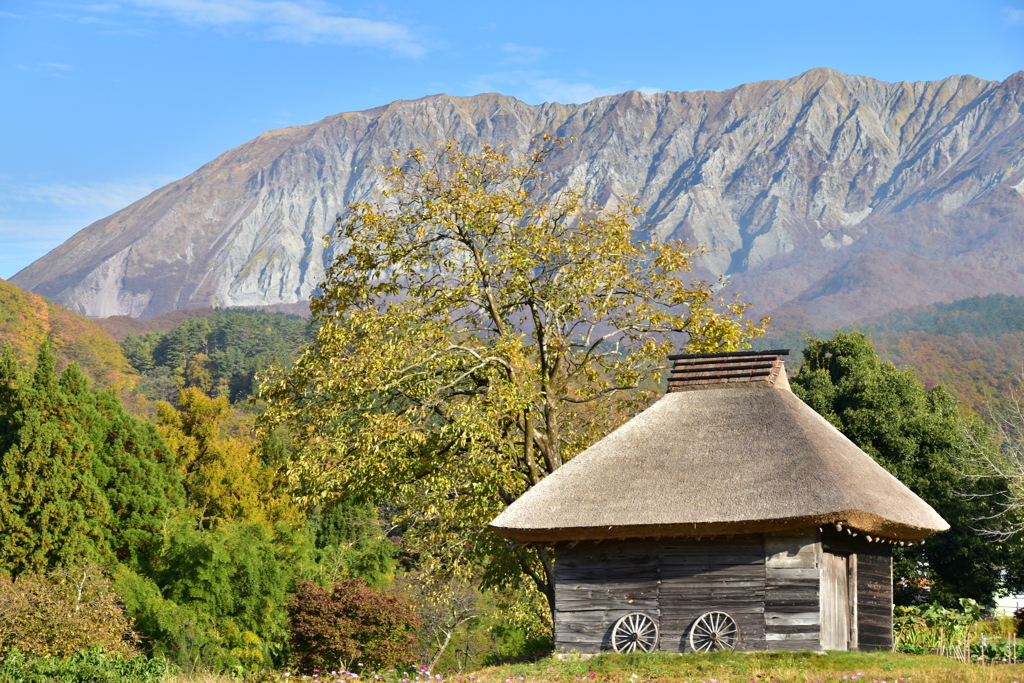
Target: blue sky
<point>102,102</point>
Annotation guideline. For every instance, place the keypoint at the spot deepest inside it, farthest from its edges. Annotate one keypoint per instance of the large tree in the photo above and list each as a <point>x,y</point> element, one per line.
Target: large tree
<point>224,476</point>
<point>927,443</point>
<point>134,468</point>
<point>52,509</point>
<point>476,331</point>
<point>80,478</point>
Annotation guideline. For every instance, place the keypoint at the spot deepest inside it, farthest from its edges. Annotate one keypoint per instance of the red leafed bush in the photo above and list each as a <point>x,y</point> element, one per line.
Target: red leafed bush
<point>351,623</point>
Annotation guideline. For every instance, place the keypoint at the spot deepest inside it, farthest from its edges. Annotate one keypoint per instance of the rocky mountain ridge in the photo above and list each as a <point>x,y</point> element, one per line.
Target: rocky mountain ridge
<point>825,198</point>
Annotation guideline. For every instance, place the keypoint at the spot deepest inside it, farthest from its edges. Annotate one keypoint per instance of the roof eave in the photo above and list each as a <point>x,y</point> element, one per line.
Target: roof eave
<point>859,521</point>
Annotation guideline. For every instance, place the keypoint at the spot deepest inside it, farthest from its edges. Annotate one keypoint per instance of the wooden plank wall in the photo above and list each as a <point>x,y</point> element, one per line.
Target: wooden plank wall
<point>673,581</point>
<point>723,574</point>
<point>874,599</point>
<point>596,584</point>
<point>770,585</point>
<point>791,603</point>
<point>874,587</point>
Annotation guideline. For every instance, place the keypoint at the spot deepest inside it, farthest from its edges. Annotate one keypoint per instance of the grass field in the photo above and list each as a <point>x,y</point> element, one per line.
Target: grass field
<point>762,667</point>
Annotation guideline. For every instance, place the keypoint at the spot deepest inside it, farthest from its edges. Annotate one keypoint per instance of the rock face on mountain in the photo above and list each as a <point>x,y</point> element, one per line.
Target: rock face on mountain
<point>826,198</point>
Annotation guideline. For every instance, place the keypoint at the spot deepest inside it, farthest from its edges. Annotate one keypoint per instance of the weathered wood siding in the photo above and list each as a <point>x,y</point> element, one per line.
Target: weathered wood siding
<point>771,585</point>
<point>673,581</point>
<point>791,602</point>
<point>725,574</point>
<point>874,587</point>
<point>838,601</point>
<point>874,599</point>
<point>596,584</point>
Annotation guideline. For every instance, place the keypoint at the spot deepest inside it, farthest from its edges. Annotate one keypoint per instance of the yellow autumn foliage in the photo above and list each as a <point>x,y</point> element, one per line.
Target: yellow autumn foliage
<point>222,472</point>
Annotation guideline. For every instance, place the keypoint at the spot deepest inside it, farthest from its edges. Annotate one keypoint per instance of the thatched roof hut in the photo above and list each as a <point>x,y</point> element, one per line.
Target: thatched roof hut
<point>719,455</point>
<point>729,452</point>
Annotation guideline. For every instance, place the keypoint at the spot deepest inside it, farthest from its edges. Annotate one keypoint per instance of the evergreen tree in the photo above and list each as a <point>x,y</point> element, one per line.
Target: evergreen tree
<point>137,472</point>
<point>919,436</point>
<point>10,382</point>
<point>134,468</point>
<point>52,510</point>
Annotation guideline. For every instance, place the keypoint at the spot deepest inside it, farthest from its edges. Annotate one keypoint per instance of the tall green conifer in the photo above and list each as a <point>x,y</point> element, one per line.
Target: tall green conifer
<point>52,511</point>
<point>134,468</point>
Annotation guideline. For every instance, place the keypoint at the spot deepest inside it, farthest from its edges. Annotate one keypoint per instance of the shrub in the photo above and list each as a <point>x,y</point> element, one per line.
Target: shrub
<point>351,623</point>
<point>220,600</point>
<point>61,613</point>
<point>90,666</point>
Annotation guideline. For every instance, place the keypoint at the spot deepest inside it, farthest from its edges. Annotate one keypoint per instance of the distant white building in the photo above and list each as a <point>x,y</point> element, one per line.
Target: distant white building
<point>1005,607</point>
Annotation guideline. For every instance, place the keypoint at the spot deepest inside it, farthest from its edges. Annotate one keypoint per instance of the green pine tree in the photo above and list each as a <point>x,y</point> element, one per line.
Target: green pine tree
<point>134,468</point>
<point>52,510</point>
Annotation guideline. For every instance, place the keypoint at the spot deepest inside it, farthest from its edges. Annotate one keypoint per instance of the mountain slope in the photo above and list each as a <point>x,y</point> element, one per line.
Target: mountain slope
<point>827,198</point>
<point>974,347</point>
<point>27,320</point>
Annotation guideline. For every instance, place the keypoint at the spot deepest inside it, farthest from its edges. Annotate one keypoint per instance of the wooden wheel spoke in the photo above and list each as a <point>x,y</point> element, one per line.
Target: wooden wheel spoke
<point>714,631</point>
<point>633,631</point>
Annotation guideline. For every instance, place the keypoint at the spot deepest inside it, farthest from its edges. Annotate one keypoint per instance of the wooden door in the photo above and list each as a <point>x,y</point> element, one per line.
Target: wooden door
<point>838,601</point>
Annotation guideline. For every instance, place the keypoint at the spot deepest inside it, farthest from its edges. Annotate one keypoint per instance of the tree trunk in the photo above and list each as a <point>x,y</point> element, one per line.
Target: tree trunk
<point>447,639</point>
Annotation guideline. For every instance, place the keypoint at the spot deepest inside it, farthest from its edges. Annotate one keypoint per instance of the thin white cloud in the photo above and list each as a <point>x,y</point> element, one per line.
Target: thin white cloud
<point>27,240</point>
<point>60,67</point>
<point>523,54</point>
<point>33,233</point>
<point>94,20</point>
<point>107,196</point>
<point>534,87</point>
<point>650,91</point>
<point>51,69</point>
<point>1014,16</point>
<point>558,90</point>
<point>299,21</point>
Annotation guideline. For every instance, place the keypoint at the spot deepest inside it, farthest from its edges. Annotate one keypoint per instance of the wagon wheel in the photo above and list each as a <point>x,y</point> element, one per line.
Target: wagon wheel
<point>635,631</point>
<point>714,631</point>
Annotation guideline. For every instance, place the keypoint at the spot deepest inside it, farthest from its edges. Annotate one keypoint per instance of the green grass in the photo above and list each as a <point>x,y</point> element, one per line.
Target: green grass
<point>762,667</point>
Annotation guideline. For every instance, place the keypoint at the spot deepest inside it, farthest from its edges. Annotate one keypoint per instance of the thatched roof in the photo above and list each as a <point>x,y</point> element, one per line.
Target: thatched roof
<point>719,458</point>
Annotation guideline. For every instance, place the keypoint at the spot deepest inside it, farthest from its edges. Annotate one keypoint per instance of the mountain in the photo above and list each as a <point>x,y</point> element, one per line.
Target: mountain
<point>825,198</point>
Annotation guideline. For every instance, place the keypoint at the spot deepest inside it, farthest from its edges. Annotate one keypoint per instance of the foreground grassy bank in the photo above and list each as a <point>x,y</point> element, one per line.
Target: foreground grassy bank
<point>738,667</point>
<point>726,667</point>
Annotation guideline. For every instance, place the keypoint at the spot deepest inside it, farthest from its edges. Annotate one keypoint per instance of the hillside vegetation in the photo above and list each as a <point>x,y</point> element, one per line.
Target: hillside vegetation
<point>220,354</point>
<point>28,319</point>
<point>974,347</point>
